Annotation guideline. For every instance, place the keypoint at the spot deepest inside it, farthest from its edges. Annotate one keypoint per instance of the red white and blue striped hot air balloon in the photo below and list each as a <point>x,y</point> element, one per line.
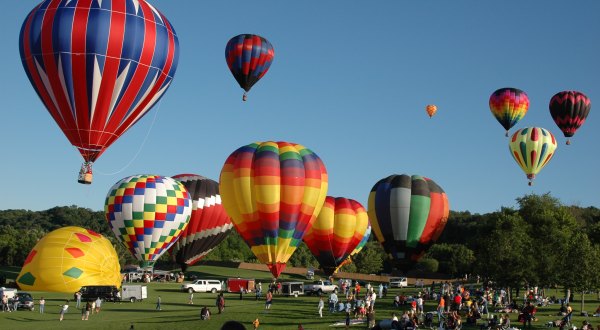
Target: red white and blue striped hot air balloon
<point>98,66</point>
<point>249,57</point>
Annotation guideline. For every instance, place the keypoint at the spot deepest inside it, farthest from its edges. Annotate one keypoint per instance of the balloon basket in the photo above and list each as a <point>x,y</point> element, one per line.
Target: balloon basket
<point>568,142</point>
<point>85,174</point>
<point>244,97</point>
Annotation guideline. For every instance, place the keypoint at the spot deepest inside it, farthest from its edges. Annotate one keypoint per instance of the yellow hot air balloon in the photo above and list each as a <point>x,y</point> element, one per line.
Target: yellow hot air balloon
<point>68,258</point>
<point>431,110</point>
<point>532,148</point>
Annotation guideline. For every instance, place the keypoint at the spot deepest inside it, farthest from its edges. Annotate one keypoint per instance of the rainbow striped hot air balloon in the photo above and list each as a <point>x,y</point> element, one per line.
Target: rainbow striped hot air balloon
<point>509,105</point>
<point>337,232</point>
<point>68,258</point>
<point>147,213</point>
<point>273,192</point>
<point>532,148</point>
<point>408,214</point>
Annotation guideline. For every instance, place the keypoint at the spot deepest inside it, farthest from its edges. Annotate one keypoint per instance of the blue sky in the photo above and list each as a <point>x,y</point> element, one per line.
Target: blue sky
<point>350,81</point>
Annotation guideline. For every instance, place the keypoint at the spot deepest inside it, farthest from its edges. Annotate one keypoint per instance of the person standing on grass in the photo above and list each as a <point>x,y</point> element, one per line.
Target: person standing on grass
<point>78,298</point>
<point>42,304</point>
<point>320,306</point>
<point>191,298</point>
<point>63,310</point>
<point>98,306</point>
<point>158,301</point>
<point>269,300</point>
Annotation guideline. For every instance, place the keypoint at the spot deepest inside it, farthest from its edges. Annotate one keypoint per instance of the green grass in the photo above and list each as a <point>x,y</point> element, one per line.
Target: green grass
<point>285,313</point>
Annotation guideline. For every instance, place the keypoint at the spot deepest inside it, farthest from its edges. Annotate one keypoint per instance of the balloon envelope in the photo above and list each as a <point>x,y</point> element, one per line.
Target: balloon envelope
<point>431,110</point>
<point>209,223</point>
<point>509,105</point>
<point>569,109</point>
<point>532,148</point>
<point>147,213</point>
<point>248,57</point>
<point>337,231</point>
<point>98,66</point>
<point>273,191</point>
<point>68,258</point>
<point>407,213</point>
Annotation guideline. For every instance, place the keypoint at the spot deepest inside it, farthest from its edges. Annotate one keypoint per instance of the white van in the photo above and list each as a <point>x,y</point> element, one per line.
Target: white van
<point>398,282</point>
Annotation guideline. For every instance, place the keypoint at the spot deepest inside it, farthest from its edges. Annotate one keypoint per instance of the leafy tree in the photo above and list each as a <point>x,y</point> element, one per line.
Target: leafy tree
<point>580,264</point>
<point>302,257</point>
<point>454,259</point>
<point>428,265</point>
<point>370,259</point>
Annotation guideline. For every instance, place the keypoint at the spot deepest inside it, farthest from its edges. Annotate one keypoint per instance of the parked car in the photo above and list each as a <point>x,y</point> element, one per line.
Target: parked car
<point>398,282</point>
<point>202,286</point>
<point>25,301</point>
<point>319,287</point>
<point>104,292</point>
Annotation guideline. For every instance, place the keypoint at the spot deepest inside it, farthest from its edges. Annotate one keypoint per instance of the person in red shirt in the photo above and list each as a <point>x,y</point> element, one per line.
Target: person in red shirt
<point>457,302</point>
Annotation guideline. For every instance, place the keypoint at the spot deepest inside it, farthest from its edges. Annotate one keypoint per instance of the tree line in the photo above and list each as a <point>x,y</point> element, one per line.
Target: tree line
<point>539,243</point>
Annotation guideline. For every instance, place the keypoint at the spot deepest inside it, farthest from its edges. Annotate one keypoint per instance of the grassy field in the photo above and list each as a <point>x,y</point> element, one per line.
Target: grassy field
<point>286,312</point>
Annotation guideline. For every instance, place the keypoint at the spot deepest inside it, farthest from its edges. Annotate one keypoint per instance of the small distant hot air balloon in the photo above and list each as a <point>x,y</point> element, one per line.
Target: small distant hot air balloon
<point>249,57</point>
<point>98,67</point>
<point>431,110</point>
<point>337,231</point>
<point>408,214</point>
<point>147,213</point>
<point>569,109</point>
<point>509,105</point>
<point>273,192</point>
<point>532,148</point>
<point>68,258</point>
<point>209,224</point>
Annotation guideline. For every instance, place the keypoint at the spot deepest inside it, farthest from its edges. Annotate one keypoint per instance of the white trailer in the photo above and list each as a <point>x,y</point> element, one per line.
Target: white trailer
<point>134,293</point>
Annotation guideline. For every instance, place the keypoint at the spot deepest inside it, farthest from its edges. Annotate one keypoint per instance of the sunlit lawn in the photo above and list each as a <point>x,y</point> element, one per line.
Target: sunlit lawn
<point>286,312</point>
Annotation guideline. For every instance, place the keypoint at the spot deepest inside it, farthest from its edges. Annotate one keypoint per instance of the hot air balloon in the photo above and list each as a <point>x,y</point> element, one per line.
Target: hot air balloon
<point>273,192</point>
<point>509,105</point>
<point>98,67</point>
<point>249,57</point>
<point>209,223</point>
<point>532,148</point>
<point>337,231</point>
<point>147,213</point>
<point>68,258</point>
<point>359,247</point>
<point>431,110</point>
<point>408,214</point>
<point>569,109</point>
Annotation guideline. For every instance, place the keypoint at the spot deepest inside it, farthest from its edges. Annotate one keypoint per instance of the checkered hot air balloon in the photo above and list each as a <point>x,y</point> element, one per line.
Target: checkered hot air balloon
<point>569,109</point>
<point>532,148</point>
<point>209,224</point>
<point>408,214</point>
<point>509,105</point>
<point>338,230</point>
<point>98,66</point>
<point>68,258</point>
<point>248,57</point>
<point>147,213</point>
<point>273,192</point>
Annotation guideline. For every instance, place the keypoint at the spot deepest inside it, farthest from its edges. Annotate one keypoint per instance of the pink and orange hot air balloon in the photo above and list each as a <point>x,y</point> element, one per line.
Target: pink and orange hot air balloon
<point>337,232</point>
<point>431,110</point>
<point>273,191</point>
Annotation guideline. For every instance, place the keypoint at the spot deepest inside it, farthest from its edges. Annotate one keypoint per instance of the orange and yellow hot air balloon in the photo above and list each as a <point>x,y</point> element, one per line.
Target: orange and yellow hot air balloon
<point>338,230</point>
<point>273,192</point>
<point>431,110</point>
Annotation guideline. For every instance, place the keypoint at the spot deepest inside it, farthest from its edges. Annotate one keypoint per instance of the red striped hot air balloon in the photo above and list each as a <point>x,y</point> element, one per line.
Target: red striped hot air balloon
<point>569,109</point>
<point>98,67</point>
<point>273,192</point>
<point>336,233</point>
<point>209,223</point>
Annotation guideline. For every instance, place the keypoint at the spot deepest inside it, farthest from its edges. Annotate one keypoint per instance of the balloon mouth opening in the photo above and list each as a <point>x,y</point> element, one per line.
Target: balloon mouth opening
<point>506,134</point>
